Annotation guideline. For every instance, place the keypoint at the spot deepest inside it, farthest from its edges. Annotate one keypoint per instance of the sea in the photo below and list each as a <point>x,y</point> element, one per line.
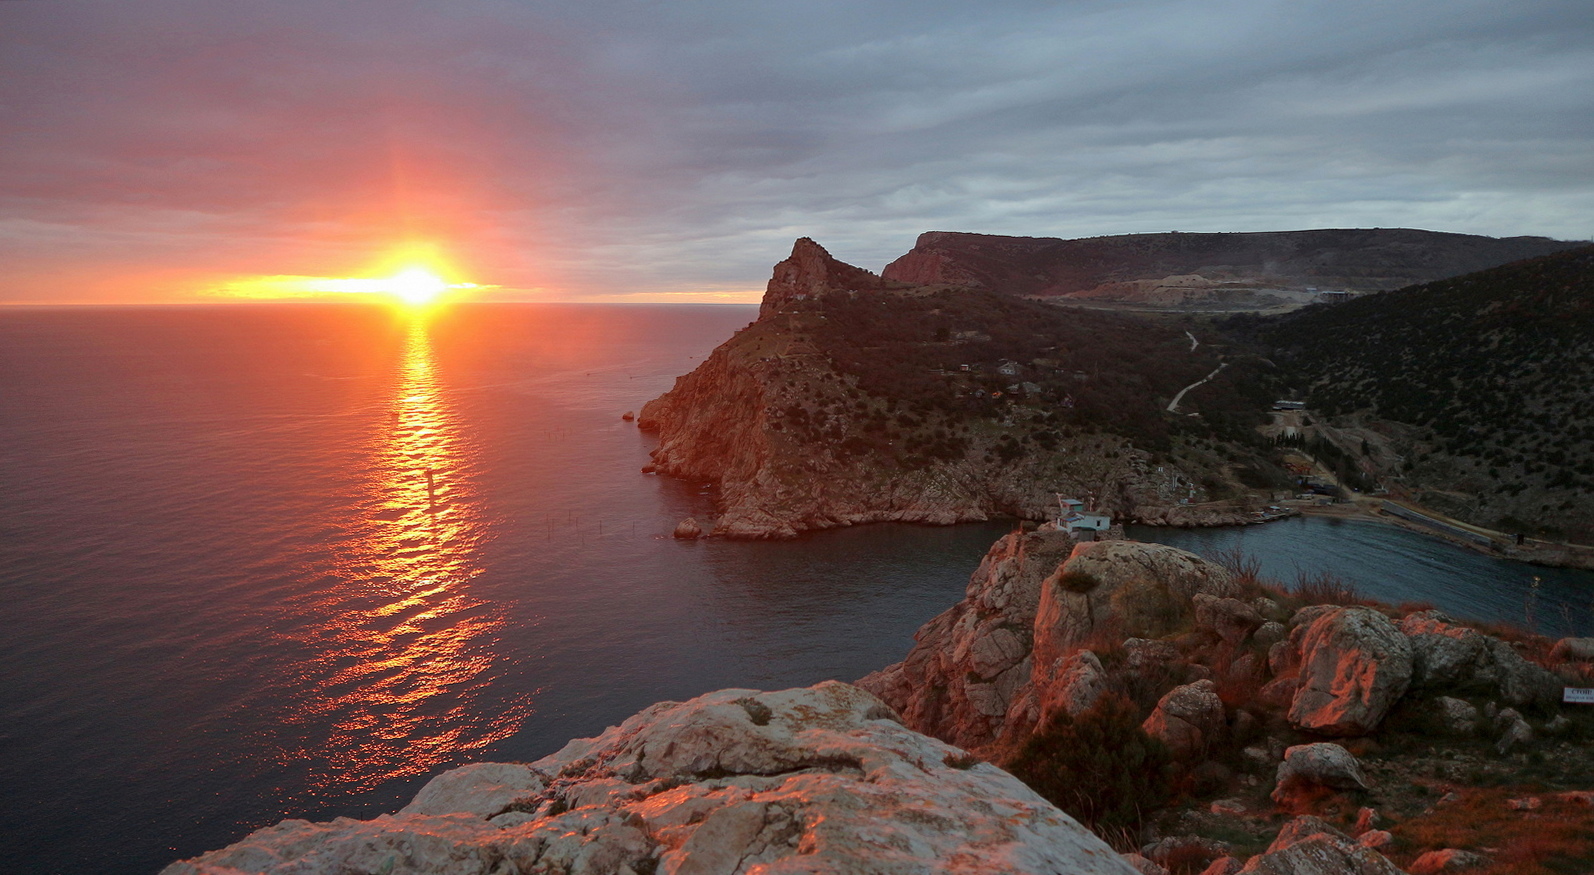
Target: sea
<point>266,561</point>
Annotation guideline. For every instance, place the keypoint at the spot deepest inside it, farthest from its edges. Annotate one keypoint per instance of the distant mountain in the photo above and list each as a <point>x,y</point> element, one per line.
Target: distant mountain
<point>1175,267</point>
<point>1474,394</point>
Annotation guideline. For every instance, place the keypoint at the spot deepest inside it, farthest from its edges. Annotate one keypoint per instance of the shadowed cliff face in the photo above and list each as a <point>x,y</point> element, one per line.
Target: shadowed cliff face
<point>1353,259</point>
<point>853,399</point>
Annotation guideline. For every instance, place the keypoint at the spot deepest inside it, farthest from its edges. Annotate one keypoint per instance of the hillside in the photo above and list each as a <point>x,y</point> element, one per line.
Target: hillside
<point>1245,269</point>
<point>858,399</point>
<point>1470,394</point>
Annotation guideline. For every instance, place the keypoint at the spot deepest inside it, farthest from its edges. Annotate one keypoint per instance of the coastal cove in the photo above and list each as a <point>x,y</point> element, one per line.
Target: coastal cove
<point>284,561</point>
<point>1395,565</point>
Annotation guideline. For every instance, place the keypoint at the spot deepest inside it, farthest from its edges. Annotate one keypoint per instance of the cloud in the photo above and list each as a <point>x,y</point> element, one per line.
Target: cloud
<point>617,148</point>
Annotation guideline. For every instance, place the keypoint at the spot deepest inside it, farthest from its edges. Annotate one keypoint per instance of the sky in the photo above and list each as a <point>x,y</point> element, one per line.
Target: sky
<point>617,150</point>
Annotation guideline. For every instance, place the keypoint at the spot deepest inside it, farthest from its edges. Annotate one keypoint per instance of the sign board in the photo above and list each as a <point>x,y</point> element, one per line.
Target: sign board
<point>1581,695</point>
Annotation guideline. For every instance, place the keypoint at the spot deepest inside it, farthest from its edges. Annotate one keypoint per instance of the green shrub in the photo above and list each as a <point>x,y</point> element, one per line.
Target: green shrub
<point>1100,766</point>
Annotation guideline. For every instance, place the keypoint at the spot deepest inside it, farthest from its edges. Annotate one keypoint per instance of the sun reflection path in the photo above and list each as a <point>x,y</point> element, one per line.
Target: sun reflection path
<point>405,651</point>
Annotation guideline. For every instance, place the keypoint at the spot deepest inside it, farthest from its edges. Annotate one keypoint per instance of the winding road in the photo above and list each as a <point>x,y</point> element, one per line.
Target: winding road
<point>1173,406</point>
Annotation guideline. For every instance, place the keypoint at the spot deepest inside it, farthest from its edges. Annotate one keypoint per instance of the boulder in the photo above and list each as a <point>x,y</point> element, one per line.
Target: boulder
<point>1187,719</point>
<point>1303,827</point>
<point>1232,619</point>
<point>1376,838</point>
<point>1141,654</point>
<point>1450,656</point>
<point>1270,633</point>
<point>1443,653</point>
<point>1514,731</point>
<point>1366,819</point>
<point>821,779</point>
<point>1456,716</point>
<point>1139,590</point>
<point>1075,685</point>
<point>1309,846</point>
<point>1322,764</point>
<point>1446,860</point>
<point>1144,866</point>
<point>1573,650</point>
<point>1183,851</point>
<point>1354,666</point>
<point>482,789</point>
<point>688,530</point>
<point>1224,866</point>
<point>1279,693</point>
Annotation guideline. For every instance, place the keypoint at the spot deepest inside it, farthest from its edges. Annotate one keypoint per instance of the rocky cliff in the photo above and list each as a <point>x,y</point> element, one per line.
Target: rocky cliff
<point>822,779</point>
<point>853,399</point>
<point>1119,267</point>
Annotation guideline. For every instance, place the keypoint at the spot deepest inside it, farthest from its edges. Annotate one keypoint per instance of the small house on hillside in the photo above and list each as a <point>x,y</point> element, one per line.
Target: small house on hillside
<point>1085,526</point>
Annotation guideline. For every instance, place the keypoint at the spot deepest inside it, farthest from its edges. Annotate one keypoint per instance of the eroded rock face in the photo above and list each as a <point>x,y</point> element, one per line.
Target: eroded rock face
<point>821,779</point>
<point>972,665</point>
<point>1354,666</point>
<point>1007,656</point>
<point>1127,587</point>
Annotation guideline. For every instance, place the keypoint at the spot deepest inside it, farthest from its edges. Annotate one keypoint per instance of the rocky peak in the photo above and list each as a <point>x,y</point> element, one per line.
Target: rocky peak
<point>811,271</point>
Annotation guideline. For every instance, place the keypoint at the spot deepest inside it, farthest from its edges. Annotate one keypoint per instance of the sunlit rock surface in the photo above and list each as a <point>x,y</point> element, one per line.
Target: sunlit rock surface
<point>1355,664</point>
<point>821,779</point>
<point>998,662</point>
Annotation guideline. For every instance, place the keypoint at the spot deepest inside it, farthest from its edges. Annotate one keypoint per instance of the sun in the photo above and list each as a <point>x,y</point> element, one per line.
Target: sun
<point>416,286</point>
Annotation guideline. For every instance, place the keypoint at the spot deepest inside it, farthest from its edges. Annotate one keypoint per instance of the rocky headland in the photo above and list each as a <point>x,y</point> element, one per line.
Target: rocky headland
<point>856,399</point>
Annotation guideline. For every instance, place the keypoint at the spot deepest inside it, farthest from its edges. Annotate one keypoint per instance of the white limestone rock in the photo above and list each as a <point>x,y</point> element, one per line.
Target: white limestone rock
<point>821,779</point>
<point>1354,666</point>
<point>482,789</point>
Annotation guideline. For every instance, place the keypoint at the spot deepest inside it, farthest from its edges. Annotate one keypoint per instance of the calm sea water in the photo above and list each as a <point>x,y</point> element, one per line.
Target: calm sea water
<point>287,561</point>
<point>1393,565</point>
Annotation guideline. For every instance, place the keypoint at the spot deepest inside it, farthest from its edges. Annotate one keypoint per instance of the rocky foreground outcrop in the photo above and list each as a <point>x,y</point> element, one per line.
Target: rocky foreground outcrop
<point>1015,650</point>
<point>1043,614</point>
<point>816,780</point>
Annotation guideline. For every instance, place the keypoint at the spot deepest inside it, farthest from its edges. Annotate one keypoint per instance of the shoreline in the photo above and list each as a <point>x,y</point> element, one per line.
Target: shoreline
<point>1546,554</point>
